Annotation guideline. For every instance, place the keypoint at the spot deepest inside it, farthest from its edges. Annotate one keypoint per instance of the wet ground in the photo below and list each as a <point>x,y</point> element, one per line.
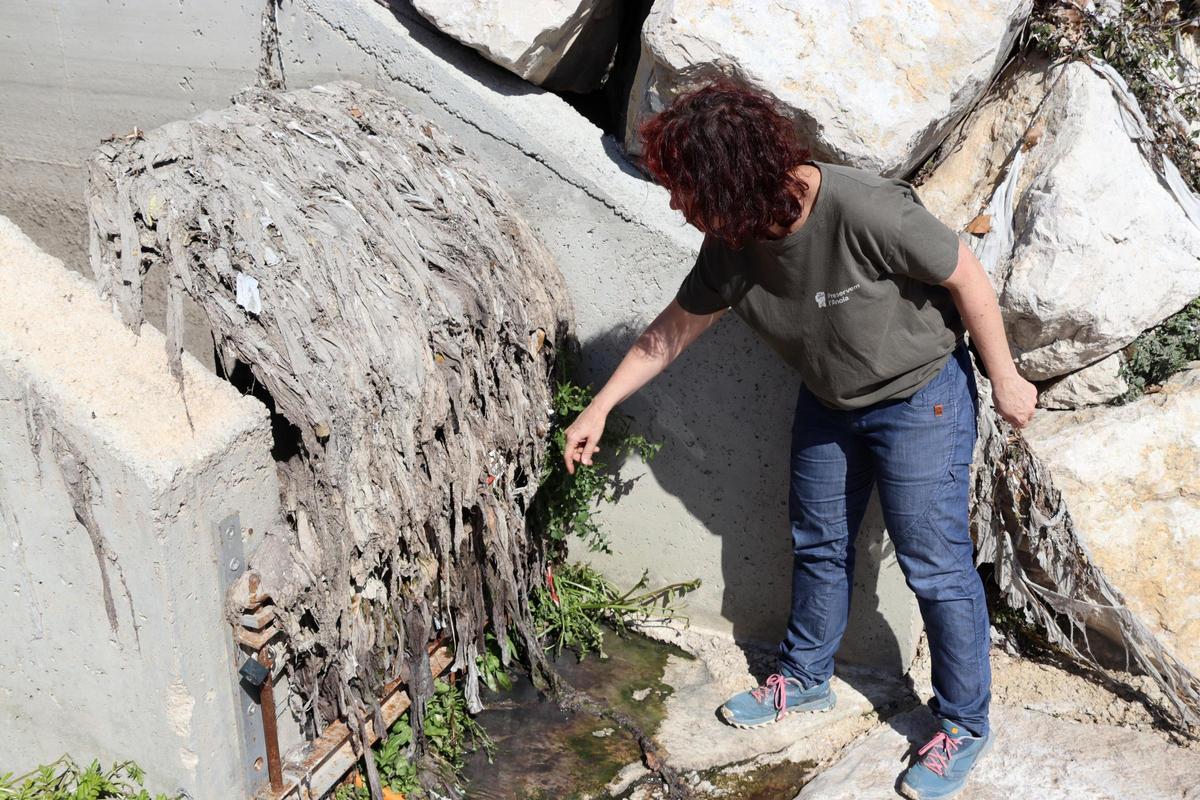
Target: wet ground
<point>781,781</point>
<point>544,753</point>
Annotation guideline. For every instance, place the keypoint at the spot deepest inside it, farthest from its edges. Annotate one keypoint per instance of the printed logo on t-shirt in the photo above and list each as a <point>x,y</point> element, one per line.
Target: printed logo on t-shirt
<point>826,299</point>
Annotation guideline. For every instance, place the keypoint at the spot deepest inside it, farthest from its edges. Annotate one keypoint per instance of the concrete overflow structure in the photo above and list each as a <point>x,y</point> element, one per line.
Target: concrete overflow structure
<point>125,509</point>
<point>711,505</point>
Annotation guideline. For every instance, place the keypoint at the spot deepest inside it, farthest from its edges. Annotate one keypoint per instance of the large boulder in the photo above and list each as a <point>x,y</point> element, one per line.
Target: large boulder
<point>1087,242</point>
<point>876,85</point>
<point>566,45</point>
<point>1131,478</point>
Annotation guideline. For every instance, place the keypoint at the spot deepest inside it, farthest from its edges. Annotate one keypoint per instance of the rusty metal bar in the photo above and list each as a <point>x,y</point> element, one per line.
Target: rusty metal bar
<point>266,702</point>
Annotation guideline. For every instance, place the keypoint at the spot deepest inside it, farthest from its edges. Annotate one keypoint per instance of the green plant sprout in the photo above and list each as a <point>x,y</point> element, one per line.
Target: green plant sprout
<point>491,667</point>
<point>450,730</point>
<point>1162,351</point>
<point>575,599</point>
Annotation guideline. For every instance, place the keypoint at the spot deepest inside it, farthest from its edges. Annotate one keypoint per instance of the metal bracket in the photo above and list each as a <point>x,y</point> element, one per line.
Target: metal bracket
<point>231,554</point>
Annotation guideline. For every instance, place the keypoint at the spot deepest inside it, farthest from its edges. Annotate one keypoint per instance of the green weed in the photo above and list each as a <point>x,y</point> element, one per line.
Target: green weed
<point>1162,351</point>
<point>65,780</point>
<point>450,730</point>
<point>491,667</point>
<point>570,607</point>
<point>568,504</point>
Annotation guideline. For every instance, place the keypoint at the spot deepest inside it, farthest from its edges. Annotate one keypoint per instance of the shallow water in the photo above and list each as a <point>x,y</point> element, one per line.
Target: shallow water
<point>544,753</point>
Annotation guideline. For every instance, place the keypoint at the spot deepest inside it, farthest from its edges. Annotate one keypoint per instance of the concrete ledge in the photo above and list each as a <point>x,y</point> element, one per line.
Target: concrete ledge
<point>111,491</point>
<point>696,739</point>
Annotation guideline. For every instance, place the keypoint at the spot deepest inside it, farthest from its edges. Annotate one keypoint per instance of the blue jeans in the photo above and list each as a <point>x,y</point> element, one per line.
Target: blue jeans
<point>918,452</point>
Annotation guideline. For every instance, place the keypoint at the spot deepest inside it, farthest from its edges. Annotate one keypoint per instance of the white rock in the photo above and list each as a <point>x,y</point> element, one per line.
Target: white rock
<point>1131,478</point>
<point>1101,249</point>
<point>1033,755</point>
<point>561,44</point>
<point>1093,385</point>
<point>873,84</point>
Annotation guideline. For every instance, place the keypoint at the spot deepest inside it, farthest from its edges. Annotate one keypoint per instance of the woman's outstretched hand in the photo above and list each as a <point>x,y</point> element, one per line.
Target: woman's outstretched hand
<point>664,339</point>
<point>583,436</point>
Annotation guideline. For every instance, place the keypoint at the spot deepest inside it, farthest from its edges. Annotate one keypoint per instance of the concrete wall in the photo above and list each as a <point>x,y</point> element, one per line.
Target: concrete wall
<point>713,503</point>
<point>111,486</point>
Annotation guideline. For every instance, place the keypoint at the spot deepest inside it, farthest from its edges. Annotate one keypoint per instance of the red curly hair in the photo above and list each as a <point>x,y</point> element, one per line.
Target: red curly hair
<point>726,154</point>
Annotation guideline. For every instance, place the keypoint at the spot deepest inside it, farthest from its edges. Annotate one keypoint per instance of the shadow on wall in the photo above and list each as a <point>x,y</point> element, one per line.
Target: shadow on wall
<point>604,108</point>
<point>456,54</point>
<point>723,414</point>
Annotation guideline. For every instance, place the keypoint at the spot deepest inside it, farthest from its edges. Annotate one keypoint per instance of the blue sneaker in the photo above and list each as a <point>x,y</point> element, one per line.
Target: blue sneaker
<point>946,760</point>
<point>780,695</point>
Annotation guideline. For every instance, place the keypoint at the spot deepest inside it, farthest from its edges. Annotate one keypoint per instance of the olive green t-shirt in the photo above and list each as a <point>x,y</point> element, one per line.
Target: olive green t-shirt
<point>850,298</point>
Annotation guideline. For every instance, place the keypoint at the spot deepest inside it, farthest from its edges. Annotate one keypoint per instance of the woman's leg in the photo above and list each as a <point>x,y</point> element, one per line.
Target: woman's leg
<point>829,488</point>
<point>922,449</point>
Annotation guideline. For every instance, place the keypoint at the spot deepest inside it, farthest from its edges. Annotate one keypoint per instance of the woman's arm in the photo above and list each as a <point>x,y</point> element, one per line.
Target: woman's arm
<point>1013,396</point>
<point>662,341</point>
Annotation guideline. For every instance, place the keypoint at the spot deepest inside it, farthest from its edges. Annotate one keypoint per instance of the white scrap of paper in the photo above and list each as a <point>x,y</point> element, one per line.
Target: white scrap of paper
<point>247,293</point>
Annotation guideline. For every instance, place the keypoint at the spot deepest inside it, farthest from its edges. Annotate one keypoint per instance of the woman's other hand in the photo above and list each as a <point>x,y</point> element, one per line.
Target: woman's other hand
<point>1014,398</point>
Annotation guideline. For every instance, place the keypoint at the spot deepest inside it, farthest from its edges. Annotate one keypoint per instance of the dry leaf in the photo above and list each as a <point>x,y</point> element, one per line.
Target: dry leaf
<point>1033,134</point>
<point>1070,16</point>
<point>980,225</point>
<point>356,112</point>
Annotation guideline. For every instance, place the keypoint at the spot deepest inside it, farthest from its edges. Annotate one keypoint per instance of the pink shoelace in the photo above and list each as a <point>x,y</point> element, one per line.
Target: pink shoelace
<point>940,748</point>
<point>777,685</point>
